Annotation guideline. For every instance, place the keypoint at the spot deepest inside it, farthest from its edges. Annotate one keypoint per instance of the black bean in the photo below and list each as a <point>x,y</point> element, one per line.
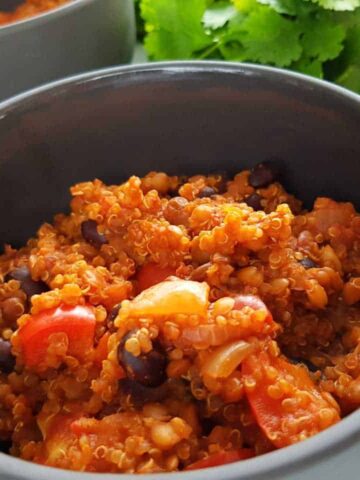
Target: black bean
<point>310,366</point>
<point>254,201</point>
<point>222,185</point>
<point>148,368</point>
<point>5,446</point>
<point>206,192</point>
<point>7,359</point>
<point>262,175</point>
<point>90,233</point>
<point>306,262</point>
<point>27,284</point>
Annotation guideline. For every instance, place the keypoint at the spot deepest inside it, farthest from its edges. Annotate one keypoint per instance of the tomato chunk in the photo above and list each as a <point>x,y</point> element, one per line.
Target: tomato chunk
<point>78,323</point>
<point>151,273</point>
<point>57,435</point>
<point>222,458</point>
<point>287,404</point>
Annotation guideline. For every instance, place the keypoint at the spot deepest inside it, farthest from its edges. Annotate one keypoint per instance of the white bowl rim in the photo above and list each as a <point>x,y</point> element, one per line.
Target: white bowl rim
<point>322,446</point>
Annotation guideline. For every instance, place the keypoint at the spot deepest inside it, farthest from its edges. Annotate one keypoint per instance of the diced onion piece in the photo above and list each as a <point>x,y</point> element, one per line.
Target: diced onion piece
<point>170,298</point>
<point>251,301</point>
<point>206,335</point>
<point>226,358</point>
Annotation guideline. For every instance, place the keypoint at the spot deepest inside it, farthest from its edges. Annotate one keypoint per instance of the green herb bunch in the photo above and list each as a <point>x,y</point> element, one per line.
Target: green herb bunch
<point>316,37</point>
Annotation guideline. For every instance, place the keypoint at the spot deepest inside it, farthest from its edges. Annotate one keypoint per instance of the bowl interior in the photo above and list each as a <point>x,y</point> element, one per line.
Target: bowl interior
<point>179,118</point>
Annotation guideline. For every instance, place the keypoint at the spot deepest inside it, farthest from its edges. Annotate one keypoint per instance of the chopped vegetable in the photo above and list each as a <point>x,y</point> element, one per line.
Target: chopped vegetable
<point>255,303</point>
<point>251,301</point>
<point>222,458</point>
<point>256,320</point>
<point>286,403</point>
<point>225,359</point>
<point>77,323</point>
<point>318,37</point>
<point>169,298</point>
<point>150,274</point>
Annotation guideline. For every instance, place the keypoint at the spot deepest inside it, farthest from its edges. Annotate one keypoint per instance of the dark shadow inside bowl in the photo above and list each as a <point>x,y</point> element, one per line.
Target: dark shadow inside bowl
<point>180,119</point>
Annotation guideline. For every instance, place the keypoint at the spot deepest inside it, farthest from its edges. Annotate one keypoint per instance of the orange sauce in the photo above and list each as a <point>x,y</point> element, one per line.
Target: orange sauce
<point>29,8</point>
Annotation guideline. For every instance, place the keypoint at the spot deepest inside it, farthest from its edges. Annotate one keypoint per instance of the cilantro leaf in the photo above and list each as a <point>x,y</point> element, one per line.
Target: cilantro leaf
<point>323,38</point>
<point>271,38</point>
<point>309,67</point>
<point>317,37</point>
<point>218,14</point>
<point>352,46</point>
<point>245,5</point>
<point>289,7</point>
<point>233,51</point>
<point>350,78</point>
<point>174,28</point>
<point>350,61</point>
<point>339,5</point>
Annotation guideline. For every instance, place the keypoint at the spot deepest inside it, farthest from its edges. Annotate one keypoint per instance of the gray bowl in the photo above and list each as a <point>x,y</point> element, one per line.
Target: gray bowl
<point>79,36</point>
<point>183,118</point>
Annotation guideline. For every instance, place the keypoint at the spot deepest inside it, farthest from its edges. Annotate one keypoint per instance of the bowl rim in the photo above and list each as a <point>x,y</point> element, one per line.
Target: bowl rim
<point>60,86</point>
<point>39,19</point>
<point>323,445</point>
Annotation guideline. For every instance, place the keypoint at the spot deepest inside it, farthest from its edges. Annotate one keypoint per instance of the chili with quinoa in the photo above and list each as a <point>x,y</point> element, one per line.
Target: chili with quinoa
<point>29,8</point>
<point>173,323</point>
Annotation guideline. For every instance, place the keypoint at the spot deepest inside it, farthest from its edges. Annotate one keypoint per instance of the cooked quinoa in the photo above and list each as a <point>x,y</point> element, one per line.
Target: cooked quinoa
<point>29,8</point>
<point>171,323</point>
